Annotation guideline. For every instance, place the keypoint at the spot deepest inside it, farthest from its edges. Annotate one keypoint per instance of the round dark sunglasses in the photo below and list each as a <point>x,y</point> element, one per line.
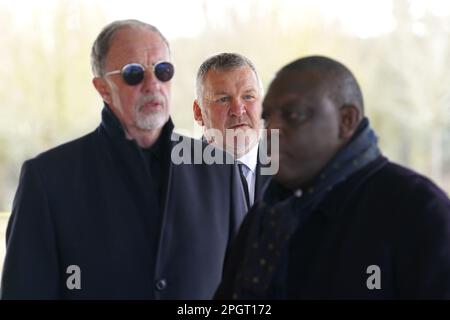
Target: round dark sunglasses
<point>133,73</point>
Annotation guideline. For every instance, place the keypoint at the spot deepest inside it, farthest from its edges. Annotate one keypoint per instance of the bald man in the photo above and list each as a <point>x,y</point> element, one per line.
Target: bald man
<point>339,221</point>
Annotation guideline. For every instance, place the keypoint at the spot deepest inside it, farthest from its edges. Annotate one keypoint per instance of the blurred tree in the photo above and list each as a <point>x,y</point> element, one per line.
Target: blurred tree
<point>48,97</point>
<point>407,91</point>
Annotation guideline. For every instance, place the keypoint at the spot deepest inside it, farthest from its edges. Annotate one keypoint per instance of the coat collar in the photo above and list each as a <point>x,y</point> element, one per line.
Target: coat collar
<point>130,160</point>
<point>111,124</point>
<point>355,161</point>
<point>333,205</point>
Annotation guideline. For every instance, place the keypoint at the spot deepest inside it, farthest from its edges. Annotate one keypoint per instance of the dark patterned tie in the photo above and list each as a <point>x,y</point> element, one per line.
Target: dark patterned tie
<point>244,183</point>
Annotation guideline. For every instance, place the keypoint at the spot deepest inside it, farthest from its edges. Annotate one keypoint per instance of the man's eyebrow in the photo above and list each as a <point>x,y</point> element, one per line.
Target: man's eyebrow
<point>220,93</point>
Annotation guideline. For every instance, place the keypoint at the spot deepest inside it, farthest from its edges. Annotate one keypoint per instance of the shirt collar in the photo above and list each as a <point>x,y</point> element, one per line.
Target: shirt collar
<point>250,158</point>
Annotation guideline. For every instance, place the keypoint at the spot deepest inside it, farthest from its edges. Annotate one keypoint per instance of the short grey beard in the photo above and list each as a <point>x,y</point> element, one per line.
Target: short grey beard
<point>150,121</point>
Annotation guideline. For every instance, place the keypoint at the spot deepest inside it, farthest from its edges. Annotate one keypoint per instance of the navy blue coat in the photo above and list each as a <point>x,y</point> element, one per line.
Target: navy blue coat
<point>383,215</point>
<point>90,203</point>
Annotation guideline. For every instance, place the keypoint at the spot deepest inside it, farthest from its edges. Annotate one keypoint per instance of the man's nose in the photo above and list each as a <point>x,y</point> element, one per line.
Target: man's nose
<point>237,107</point>
<point>150,82</point>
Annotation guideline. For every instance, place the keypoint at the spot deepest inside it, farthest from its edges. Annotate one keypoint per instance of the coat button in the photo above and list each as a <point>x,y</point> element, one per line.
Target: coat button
<point>161,284</point>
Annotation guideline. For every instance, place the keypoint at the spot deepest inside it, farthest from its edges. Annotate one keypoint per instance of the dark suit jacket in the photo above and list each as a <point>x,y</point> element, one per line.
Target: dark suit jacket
<point>91,203</point>
<point>384,215</point>
<point>261,181</point>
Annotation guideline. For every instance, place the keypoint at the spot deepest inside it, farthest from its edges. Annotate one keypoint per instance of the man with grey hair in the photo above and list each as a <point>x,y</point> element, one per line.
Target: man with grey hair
<point>109,215</point>
<point>228,107</point>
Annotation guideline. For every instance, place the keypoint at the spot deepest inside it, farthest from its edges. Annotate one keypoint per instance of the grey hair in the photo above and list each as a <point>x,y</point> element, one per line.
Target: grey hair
<point>102,43</point>
<point>223,62</point>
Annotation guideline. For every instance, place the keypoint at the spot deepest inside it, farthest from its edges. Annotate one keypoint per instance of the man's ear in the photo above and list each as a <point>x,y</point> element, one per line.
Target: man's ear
<point>350,117</point>
<point>198,113</point>
<point>103,89</point>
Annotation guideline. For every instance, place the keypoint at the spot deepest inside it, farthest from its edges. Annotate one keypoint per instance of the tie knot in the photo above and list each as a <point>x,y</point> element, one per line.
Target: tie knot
<point>244,169</point>
<point>242,166</point>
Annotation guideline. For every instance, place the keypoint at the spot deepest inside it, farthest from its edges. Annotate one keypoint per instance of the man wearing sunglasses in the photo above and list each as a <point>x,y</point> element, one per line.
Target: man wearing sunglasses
<point>110,216</point>
<point>228,107</point>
